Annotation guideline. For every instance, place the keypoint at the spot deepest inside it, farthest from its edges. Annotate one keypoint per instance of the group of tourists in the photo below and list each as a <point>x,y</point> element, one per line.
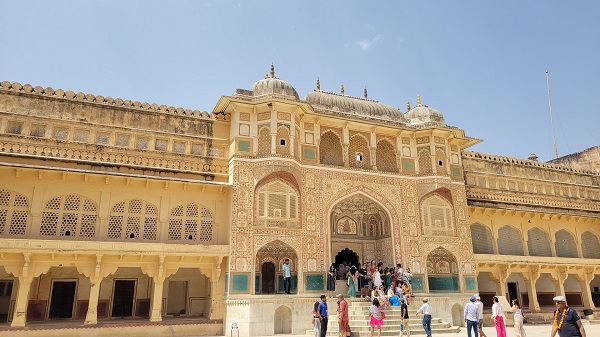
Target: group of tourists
<point>372,280</point>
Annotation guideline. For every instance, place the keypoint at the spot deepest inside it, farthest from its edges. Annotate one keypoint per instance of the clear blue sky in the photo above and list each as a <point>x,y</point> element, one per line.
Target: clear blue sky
<point>481,63</point>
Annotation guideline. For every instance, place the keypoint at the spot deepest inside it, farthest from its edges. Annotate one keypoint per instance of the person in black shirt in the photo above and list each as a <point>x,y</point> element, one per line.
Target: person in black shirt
<point>362,280</point>
<point>404,317</point>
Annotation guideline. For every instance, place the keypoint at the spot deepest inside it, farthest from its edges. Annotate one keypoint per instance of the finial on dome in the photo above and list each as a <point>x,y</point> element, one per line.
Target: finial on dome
<point>408,106</point>
<point>318,84</point>
<point>365,92</point>
<point>342,88</point>
<point>418,99</point>
<point>267,75</point>
<point>272,70</point>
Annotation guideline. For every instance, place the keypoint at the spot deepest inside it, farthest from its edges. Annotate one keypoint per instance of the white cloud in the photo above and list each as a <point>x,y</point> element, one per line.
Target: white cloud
<point>364,44</point>
<point>367,43</point>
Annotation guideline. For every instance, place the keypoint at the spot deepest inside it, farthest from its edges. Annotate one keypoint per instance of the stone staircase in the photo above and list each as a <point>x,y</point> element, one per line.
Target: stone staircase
<point>358,311</point>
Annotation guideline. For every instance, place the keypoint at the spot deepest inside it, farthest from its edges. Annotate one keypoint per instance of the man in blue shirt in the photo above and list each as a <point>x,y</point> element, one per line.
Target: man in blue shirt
<point>287,276</point>
<point>566,320</point>
<point>322,314</point>
<point>472,317</point>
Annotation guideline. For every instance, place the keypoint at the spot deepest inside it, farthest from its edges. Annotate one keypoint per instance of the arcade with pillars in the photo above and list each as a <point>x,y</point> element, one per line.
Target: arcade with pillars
<point>91,287</point>
<point>360,232</point>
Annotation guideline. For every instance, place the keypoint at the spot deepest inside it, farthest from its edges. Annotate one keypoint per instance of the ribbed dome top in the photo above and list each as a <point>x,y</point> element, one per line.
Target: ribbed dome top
<point>424,114</point>
<point>273,85</point>
<point>353,106</point>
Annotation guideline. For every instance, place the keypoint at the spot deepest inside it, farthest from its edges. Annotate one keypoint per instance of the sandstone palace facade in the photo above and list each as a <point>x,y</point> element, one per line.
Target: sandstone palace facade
<point>111,208</point>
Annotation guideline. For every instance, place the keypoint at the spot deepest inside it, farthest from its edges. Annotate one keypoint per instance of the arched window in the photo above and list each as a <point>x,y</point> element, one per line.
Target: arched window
<point>565,244</point>
<point>386,156</point>
<point>359,153</point>
<point>330,149</point>
<point>482,239</point>
<point>509,241</point>
<point>442,271</point>
<point>133,220</point>
<point>190,222</point>
<point>277,205</point>
<point>590,245</point>
<point>538,243</point>
<point>437,216</point>
<point>283,140</point>
<point>14,213</point>
<point>264,140</point>
<point>424,161</point>
<point>69,216</point>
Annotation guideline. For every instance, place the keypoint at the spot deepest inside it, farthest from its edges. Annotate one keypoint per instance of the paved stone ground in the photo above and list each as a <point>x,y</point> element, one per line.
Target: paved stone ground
<point>537,330</point>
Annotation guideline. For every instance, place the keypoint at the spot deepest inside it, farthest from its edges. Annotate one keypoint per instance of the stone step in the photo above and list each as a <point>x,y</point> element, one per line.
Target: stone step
<point>394,332</point>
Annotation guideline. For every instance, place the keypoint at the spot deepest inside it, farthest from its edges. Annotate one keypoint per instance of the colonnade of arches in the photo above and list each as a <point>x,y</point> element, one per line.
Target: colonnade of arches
<point>535,242</point>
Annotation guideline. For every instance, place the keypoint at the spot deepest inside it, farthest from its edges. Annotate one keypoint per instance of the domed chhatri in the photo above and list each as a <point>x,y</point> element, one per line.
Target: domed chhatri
<point>354,106</point>
<point>273,85</point>
<point>422,114</point>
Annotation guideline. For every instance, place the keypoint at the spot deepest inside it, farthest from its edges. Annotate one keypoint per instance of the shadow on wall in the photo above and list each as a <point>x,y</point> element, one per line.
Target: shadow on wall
<point>283,320</point>
<point>457,315</point>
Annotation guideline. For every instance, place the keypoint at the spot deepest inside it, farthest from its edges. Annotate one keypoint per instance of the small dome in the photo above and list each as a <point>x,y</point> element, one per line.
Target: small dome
<point>423,114</point>
<point>273,85</point>
<point>353,106</point>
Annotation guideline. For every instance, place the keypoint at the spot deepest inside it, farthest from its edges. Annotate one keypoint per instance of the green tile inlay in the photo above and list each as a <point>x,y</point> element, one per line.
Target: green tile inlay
<point>309,153</point>
<point>470,283</point>
<point>443,283</point>
<point>315,282</point>
<point>239,283</point>
<point>417,283</point>
<point>408,165</point>
<point>244,145</point>
<point>456,171</point>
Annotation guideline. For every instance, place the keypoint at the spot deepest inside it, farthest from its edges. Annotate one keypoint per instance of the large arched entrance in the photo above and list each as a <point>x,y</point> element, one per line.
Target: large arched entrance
<point>360,231</point>
<point>268,267</point>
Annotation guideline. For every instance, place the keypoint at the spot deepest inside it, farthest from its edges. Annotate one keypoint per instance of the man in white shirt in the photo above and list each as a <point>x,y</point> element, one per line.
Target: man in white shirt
<point>480,315</point>
<point>426,310</point>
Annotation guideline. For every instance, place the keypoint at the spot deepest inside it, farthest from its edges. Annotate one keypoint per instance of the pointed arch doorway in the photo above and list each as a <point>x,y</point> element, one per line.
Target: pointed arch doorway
<point>360,231</point>
<point>269,275</point>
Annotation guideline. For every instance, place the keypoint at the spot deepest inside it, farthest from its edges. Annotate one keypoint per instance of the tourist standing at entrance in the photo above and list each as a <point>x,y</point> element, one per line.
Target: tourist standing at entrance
<point>287,276</point>
<point>343,317</point>
<point>316,321</point>
<point>351,276</point>
<point>362,280</point>
<point>472,317</point>
<point>480,315</point>
<point>498,315</point>
<point>331,281</point>
<point>566,320</point>
<point>518,318</point>
<point>376,279</point>
<point>322,313</point>
<point>426,310</point>
<point>376,317</point>
<point>404,318</point>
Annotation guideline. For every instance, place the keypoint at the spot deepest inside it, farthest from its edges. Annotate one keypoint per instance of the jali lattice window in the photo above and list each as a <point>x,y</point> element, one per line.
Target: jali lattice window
<point>565,244</point>
<point>133,220</point>
<point>14,214</point>
<point>277,205</point>
<point>70,216</point>
<point>437,216</point>
<point>482,239</point>
<point>191,223</point>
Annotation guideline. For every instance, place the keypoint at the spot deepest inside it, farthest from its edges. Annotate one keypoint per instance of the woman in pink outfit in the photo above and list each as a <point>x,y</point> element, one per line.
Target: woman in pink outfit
<point>498,316</point>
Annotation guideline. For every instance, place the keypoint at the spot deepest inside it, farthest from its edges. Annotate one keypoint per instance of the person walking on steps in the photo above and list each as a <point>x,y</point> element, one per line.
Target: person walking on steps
<point>404,317</point>
<point>343,317</point>
<point>426,310</point>
<point>472,317</point>
<point>566,320</point>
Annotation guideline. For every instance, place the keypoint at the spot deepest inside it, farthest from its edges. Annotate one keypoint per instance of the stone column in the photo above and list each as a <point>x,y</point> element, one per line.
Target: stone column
<point>20,315</point>
<point>532,276</point>
<point>156,301</point>
<point>584,279</point>
<point>503,274</point>
<point>92,313</point>
<point>559,277</point>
